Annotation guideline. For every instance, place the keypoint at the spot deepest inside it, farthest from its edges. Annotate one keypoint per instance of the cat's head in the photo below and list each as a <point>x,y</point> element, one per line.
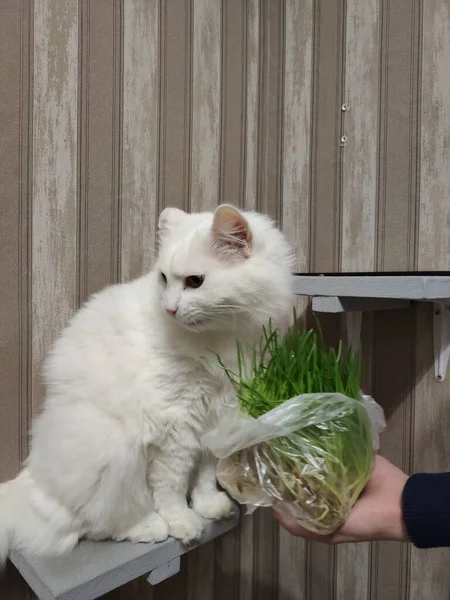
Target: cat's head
<point>223,271</point>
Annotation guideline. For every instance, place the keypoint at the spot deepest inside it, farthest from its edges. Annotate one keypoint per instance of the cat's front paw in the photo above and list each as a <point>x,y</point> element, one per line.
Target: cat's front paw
<point>214,505</point>
<point>185,526</point>
<point>150,530</point>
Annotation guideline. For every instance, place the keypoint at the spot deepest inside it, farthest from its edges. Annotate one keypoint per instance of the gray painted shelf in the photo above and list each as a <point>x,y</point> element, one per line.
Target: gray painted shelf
<point>95,568</point>
<point>402,287</point>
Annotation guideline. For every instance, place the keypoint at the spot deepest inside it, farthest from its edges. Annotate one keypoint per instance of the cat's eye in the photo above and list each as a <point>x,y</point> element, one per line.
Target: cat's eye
<point>163,277</point>
<point>194,281</point>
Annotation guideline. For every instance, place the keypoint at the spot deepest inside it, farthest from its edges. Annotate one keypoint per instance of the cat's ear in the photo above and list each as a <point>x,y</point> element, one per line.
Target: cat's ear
<point>170,217</point>
<point>231,232</point>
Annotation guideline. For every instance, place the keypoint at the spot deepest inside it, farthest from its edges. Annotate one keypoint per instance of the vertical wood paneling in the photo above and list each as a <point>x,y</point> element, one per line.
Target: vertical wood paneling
<point>360,127</point>
<point>393,334</point>
<point>265,555</point>
<point>247,556</point>
<point>321,559</point>
<point>138,589</point>
<point>297,128</point>
<point>299,26</point>
<point>352,571</point>
<point>252,104</point>
<point>201,571</point>
<point>292,567</point>
<point>234,29</point>
<point>175,103</point>
<point>25,187</point>
<point>206,104</point>
<point>354,564</point>
<point>227,576</point>
<point>14,234</point>
<point>117,139</point>
<point>326,132</point>
<point>99,116</point>
<point>16,24</point>
<point>271,64</point>
<point>399,134</point>
<point>434,223</point>
<point>140,135</point>
<point>54,213</point>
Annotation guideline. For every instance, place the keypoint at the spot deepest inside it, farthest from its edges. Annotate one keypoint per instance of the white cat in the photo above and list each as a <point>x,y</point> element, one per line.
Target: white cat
<point>116,450</point>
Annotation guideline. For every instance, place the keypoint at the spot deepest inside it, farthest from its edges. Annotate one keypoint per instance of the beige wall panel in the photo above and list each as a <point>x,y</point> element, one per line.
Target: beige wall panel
<point>54,180</point>
<point>434,220</point>
<point>360,128</point>
<point>140,166</point>
<point>399,143</point>
<point>16,22</point>
<point>175,110</point>
<point>251,131</point>
<point>393,375</point>
<point>206,104</point>
<point>271,88</point>
<point>100,84</point>
<point>233,90</point>
<point>14,234</point>
<point>326,131</point>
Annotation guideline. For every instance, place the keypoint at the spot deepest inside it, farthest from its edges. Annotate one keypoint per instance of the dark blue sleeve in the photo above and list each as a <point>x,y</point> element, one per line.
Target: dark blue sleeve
<point>426,510</point>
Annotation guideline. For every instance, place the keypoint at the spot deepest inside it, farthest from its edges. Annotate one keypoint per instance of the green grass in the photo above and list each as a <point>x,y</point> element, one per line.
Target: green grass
<point>319,471</point>
<point>298,363</point>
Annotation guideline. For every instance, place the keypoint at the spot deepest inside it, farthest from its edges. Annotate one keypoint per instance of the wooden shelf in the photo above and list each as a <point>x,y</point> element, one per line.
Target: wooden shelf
<point>402,287</point>
<point>95,568</point>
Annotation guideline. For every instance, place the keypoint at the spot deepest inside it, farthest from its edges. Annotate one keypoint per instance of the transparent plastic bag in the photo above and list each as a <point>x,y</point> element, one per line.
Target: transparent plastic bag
<point>309,458</point>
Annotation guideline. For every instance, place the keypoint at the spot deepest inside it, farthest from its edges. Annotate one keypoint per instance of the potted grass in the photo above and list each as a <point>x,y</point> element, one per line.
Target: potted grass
<point>302,437</point>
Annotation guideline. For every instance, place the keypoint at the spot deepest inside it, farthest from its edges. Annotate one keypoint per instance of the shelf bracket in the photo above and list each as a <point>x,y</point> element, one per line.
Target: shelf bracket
<point>441,330</point>
<point>163,572</point>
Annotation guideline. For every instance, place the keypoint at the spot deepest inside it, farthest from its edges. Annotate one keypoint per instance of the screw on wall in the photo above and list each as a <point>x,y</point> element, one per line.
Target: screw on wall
<point>343,139</point>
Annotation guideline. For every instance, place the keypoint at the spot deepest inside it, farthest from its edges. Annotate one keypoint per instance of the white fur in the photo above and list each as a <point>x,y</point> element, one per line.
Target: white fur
<point>131,390</point>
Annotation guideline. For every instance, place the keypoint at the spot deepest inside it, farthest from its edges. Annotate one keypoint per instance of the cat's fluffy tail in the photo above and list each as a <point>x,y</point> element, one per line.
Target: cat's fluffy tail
<point>32,521</point>
<point>9,513</point>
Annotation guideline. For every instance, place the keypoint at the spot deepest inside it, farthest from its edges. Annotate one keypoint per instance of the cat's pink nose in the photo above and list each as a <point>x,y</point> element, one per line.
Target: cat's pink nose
<point>172,313</point>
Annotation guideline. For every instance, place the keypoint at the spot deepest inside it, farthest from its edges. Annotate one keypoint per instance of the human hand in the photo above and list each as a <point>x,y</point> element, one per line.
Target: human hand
<point>377,514</point>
